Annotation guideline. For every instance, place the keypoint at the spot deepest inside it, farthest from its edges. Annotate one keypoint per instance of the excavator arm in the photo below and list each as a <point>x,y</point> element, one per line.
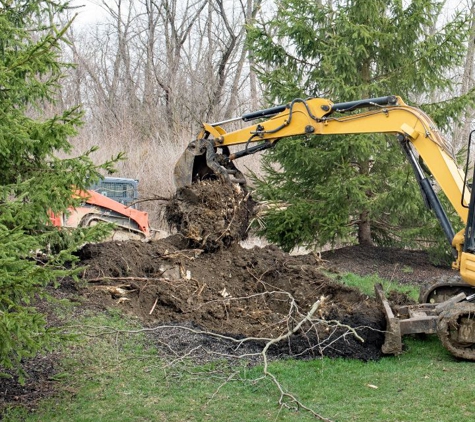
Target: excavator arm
<point>317,117</point>
<point>445,308</point>
<point>416,132</point>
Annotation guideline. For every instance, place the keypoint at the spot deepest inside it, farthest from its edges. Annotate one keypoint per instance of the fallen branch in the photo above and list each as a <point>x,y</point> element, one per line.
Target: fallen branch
<point>99,279</point>
<point>285,397</point>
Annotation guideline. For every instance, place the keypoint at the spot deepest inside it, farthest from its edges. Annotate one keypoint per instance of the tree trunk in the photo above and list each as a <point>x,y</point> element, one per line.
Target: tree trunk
<point>364,230</point>
<point>364,224</point>
<point>462,131</point>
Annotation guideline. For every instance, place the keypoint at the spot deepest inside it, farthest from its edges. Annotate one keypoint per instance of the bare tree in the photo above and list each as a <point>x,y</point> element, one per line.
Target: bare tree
<point>151,71</point>
<point>172,61</point>
<point>461,132</point>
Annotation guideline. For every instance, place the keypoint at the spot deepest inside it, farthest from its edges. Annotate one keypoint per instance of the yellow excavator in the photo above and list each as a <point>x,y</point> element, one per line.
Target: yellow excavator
<point>446,307</point>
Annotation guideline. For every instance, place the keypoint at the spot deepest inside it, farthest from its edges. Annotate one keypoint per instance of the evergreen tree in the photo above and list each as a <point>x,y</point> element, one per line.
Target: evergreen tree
<point>353,187</point>
<point>34,181</point>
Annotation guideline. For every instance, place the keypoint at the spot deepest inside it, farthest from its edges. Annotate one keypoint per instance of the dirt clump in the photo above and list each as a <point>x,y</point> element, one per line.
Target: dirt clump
<point>210,214</point>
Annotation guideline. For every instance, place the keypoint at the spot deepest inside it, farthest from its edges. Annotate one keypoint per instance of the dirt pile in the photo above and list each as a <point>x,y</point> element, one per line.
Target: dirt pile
<point>201,277</point>
<point>235,291</point>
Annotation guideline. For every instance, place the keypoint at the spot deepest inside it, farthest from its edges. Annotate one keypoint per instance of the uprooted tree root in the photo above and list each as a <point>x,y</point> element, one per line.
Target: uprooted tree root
<point>211,214</point>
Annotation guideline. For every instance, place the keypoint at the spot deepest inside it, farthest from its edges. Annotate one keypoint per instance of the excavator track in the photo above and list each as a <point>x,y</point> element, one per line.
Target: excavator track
<point>456,330</point>
<point>444,289</point>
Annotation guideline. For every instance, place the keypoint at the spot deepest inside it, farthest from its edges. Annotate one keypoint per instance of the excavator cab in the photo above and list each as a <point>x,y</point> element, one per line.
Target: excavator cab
<point>121,189</point>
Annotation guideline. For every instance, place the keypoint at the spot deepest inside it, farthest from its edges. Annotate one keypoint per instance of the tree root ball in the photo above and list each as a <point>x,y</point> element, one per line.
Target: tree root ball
<point>211,214</point>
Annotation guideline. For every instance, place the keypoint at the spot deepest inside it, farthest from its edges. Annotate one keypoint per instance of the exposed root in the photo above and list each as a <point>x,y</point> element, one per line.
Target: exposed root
<point>211,214</point>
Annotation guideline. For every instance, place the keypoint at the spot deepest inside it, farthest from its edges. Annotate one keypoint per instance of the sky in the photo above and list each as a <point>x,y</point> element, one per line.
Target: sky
<point>91,11</point>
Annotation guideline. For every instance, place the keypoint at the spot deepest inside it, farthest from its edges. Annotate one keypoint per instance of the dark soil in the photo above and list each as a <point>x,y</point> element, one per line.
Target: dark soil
<point>38,385</point>
<point>257,292</point>
<point>202,279</point>
<point>400,265</point>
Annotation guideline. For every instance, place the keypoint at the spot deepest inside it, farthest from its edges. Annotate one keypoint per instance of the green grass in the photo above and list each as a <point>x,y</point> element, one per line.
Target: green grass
<point>110,377</point>
<point>425,384</point>
<point>366,284</point>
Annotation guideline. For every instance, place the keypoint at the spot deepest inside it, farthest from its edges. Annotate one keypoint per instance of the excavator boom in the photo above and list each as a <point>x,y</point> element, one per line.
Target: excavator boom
<point>416,132</point>
<point>319,116</point>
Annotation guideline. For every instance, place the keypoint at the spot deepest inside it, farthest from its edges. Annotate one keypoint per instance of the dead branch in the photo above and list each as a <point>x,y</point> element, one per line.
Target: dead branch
<point>221,386</point>
<point>285,398</point>
<point>182,254</point>
<point>99,279</point>
<point>257,347</point>
<point>284,394</point>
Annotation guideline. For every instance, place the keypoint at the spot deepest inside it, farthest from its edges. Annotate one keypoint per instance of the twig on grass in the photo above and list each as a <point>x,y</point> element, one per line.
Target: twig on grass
<point>295,320</point>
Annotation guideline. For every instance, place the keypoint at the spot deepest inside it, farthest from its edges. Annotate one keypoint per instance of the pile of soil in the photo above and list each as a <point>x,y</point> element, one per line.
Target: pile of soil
<point>258,292</point>
<point>203,277</point>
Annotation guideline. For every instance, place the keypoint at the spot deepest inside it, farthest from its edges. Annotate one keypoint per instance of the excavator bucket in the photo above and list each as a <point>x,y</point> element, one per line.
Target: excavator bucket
<point>191,166</point>
<point>182,174</point>
<point>200,161</point>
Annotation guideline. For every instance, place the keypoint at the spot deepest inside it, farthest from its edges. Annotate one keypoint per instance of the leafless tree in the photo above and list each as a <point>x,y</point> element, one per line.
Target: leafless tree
<point>151,71</point>
<point>467,83</point>
<point>174,62</point>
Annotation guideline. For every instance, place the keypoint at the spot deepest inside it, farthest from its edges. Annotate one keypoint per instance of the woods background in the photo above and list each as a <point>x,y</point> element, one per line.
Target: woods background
<point>149,72</point>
